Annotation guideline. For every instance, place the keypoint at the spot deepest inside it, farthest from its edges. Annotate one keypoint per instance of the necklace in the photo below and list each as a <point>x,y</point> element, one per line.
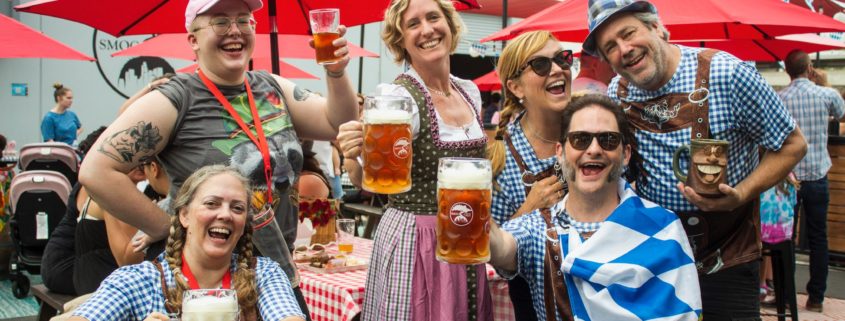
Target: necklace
<point>533,133</point>
<point>441,93</point>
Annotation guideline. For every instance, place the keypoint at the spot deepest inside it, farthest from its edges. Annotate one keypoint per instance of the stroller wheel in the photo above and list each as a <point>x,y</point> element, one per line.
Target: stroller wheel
<point>20,287</point>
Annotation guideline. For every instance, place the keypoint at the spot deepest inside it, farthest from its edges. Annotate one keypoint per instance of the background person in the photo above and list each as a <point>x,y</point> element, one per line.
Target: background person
<point>812,106</point>
<point>537,77</point>
<point>61,124</point>
<point>186,125</point>
<point>405,281</point>
<point>212,238</point>
<point>740,107</point>
<point>593,76</point>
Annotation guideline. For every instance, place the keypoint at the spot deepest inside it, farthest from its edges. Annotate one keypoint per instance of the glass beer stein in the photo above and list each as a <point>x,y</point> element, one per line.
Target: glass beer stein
<point>210,305</point>
<point>386,151</point>
<point>463,210</point>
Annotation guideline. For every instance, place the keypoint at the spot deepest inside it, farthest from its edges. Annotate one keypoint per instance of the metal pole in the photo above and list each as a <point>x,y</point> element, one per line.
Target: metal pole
<point>274,37</point>
<point>361,61</point>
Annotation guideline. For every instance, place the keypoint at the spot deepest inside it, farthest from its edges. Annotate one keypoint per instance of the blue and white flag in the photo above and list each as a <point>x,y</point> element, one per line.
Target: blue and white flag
<point>637,266</point>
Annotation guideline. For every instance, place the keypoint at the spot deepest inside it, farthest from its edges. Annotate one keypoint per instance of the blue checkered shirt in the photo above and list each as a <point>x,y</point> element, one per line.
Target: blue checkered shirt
<point>529,232</point>
<point>811,105</point>
<point>744,110</point>
<point>134,291</point>
<point>511,192</point>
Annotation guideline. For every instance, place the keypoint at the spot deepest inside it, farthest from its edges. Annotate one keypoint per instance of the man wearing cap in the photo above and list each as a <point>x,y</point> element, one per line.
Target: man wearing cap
<point>222,114</point>
<point>674,94</point>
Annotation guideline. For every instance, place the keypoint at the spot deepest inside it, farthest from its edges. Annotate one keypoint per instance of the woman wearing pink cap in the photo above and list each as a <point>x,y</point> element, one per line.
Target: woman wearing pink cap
<point>222,114</point>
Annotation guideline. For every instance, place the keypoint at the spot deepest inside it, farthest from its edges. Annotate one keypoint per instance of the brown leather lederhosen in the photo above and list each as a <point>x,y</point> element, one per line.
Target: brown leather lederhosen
<point>168,306</point>
<point>718,239</point>
<point>555,295</point>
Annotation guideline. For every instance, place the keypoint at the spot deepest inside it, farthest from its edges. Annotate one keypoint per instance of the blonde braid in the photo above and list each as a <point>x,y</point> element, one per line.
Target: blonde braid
<point>496,150</point>
<point>175,244</point>
<point>244,279</point>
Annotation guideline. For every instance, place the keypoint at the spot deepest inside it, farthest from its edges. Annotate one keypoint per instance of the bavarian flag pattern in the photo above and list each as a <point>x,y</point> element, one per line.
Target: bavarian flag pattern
<point>637,266</point>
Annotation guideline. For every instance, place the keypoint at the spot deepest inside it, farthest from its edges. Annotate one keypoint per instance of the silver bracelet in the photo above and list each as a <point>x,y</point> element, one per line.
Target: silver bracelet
<point>335,74</point>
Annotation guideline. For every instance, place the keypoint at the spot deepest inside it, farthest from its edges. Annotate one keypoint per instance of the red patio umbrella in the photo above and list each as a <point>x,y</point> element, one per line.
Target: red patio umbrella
<point>488,82</point>
<point>701,19</point>
<point>466,4</point>
<point>20,41</point>
<point>769,49</point>
<point>176,46</point>
<point>287,70</point>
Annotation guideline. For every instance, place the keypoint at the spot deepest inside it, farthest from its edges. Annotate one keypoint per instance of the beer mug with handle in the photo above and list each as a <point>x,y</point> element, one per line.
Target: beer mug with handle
<point>708,166</point>
<point>210,305</point>
<point>386,151</point>
<point>463,210</point>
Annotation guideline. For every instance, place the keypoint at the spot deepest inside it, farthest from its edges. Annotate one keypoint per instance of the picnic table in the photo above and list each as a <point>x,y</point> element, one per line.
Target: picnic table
<point>340,296</point>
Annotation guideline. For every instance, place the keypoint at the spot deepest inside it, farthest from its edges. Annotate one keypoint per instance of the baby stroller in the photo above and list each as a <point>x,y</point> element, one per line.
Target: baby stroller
<point>38,201</point>
<point>58,157</point>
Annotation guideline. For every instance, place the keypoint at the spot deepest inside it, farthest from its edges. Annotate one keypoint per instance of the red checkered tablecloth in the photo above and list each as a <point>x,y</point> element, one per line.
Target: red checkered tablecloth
<point>339,296</point>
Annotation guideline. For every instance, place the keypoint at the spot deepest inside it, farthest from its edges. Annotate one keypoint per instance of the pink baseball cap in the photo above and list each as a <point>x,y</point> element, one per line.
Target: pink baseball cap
<point>197,7</point>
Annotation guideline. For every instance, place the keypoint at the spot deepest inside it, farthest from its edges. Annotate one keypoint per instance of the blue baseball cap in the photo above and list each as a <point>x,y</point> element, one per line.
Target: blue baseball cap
<point>600,11</point>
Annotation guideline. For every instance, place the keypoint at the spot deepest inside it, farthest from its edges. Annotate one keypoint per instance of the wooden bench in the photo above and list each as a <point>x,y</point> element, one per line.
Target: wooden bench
<point>51,303</point>
<point>372,213</point>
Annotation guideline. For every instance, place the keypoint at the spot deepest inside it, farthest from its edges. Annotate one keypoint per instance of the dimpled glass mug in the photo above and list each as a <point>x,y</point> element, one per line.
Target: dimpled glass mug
<point>708,166</point>
<point>464,189</point>
<point>387,152</point>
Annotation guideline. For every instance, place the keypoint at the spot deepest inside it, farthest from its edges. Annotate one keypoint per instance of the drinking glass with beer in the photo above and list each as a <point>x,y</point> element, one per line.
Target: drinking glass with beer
<point>463,216</point>
<point>210,305</point>
<point>387,152</point>
<point>324,27</point>
<point>345,233</point>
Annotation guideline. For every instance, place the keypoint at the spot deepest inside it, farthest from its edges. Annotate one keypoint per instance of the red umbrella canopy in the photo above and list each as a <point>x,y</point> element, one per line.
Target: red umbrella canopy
<point>20,41</point>
<point>139,17</point>
<point>769,49</point>
<point>176,46</point>
<point>488,82</point>
<point>466,4</point>
<point>700,19</point>
<point>286,70</point>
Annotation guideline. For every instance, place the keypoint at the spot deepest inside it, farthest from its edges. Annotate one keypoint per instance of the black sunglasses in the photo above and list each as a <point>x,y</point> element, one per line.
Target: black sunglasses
<point>542,66</point>
<point>582,140</point>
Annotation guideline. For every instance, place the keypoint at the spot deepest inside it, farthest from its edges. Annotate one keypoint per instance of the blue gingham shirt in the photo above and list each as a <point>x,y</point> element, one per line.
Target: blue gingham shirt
<point>511,192</point>
<point>529,231</point>
<point>811,105</point>
<point>744,110</point>
<point>133,292</point>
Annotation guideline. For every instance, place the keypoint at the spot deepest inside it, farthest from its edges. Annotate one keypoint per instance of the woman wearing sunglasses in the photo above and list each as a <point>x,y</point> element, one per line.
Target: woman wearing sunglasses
<point>537,78</point>
<point>405,281</point>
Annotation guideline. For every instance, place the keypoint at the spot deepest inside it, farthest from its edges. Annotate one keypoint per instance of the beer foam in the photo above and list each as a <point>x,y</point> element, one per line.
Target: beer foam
<point>377,116</point>
<point>210,304</point>
<point>464,177</point>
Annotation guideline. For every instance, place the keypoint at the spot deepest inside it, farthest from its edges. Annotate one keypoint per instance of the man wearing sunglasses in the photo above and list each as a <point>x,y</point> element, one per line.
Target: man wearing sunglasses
<point>608,237</point>
<point>673,94</point>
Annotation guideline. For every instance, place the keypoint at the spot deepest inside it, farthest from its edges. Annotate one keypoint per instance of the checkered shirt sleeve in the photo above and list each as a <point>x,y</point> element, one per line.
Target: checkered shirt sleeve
<point>275,295</point>
<point>744,110</point>
<point>511,192</point>
<point>811,105</point>
<point>529,232</point>
<point>133,292</point>
<point>129,293</point>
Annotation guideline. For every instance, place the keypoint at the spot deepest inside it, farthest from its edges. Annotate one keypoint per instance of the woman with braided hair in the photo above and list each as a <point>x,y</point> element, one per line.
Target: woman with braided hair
<point>210,246</point>
<point>536,75</point>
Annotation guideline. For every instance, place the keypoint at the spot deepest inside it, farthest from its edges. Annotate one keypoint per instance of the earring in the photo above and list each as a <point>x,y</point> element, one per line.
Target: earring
<point>521,100</point>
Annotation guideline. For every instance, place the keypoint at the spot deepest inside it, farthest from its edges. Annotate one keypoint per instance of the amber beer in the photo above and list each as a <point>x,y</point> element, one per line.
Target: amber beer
<point>324,47</point>
<point>387,151</point>
<point>324,27</point>
<point>463,215</point>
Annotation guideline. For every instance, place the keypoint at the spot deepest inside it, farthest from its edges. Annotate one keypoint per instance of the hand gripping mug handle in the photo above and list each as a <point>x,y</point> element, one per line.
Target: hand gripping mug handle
<point>676,164</point>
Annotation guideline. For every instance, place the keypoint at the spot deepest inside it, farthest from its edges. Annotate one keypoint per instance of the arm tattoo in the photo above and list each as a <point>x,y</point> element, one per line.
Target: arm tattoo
<point>300,94</point>
<point>124,145</point>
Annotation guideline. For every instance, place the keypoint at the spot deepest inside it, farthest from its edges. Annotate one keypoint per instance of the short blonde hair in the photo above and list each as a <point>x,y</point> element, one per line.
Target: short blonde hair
<point>392,32</point>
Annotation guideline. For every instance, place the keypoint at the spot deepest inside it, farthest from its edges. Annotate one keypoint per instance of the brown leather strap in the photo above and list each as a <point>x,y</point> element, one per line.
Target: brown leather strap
<point>528,178</point>
<point>701,124</point>
<point>555,294</point>
<point>167,304</point>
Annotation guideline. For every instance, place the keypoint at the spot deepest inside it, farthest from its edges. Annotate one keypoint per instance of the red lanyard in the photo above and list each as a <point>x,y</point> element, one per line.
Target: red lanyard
<point>192,281</point>
<point>261,141</point>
